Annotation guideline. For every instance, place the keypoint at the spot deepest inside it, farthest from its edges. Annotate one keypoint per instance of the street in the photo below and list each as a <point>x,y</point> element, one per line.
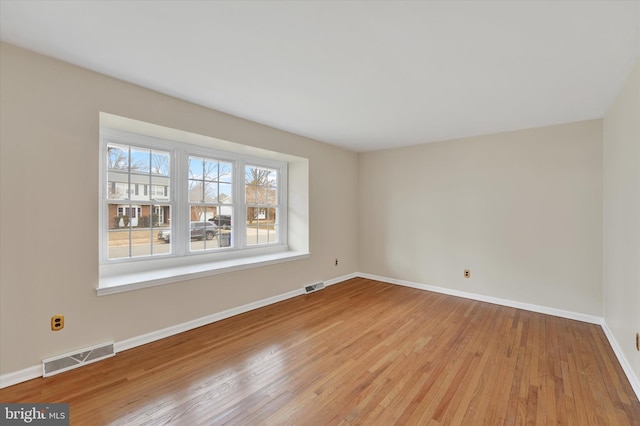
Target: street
<point>143,247</point>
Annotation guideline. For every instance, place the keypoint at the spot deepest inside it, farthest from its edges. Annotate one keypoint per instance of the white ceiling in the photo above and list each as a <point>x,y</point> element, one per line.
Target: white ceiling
<point>362,75</point>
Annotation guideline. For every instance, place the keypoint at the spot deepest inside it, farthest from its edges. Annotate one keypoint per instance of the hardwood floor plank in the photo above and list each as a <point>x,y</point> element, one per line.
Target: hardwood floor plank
<point>361,352</point>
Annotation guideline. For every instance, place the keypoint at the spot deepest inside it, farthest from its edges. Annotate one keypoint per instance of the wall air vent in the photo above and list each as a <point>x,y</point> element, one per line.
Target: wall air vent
<point>313,287</point>
<point>58,364</point>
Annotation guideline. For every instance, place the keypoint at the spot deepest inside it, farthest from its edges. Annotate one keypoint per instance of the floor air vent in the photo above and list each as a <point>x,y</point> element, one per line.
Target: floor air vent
<point>77,359</point>
<point>313,287</point>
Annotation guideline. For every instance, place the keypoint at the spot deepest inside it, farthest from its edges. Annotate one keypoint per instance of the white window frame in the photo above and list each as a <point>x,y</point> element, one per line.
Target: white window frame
<point>179,264</point>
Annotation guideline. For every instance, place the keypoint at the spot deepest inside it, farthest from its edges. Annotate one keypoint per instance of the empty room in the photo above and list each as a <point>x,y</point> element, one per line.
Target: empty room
<point>320,212</point>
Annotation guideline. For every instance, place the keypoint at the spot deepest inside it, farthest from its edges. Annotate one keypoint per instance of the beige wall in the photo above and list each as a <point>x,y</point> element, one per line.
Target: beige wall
<point>622,219</point>
<point>522,210</point>
<point>49,181</point>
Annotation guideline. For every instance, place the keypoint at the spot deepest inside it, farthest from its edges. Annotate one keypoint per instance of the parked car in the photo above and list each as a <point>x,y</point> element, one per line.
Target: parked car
<point>222,221</point>
<point>198,231</point>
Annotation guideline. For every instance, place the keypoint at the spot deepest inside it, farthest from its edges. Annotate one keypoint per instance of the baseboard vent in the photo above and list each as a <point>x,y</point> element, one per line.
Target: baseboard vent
<point>71,360</point>
<point>313,287</point>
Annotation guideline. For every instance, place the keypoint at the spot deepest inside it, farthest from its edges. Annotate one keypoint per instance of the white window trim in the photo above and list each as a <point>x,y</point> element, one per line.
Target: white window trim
<point>120,280</point>
<point>125,274</point>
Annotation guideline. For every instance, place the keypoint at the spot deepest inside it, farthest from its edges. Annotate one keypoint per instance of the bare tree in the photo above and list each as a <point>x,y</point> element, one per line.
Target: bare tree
<point>203,188</point>
<point>160,164</point>
<point>259,190</point>
<point>118,159</point>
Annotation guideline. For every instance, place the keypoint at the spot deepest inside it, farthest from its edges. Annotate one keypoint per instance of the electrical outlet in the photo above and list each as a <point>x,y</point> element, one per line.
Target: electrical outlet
<point>57,322</point>
<point>467,273</point>
<point>336,262</point>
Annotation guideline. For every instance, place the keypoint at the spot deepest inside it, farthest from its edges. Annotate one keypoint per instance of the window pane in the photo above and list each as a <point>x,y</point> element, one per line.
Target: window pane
<point>209,214</point>
<point>272,177</point>
<point>138,184</point>
<point>117,186</point>
<point>151,216</point>
<point>271,195</point>
<point>160,188</point>
<point>202,231</point>
<point>224,218</point>
<point>161,245</point>
<point>252,175</point>
<point>225,193</point>
<point>139,160</point>
<point>129,241</point>
<point>271,225</point>
<point>160,163</point>
<point>262,225</point>
<point>208,178</point>
<point>161,216</point>
<point>251,196</point>
<point>196,168</point>
<point>134,229</point>
<point>119,216</point>
<point>196,189</point>
<point>119,243</point>
<point>211,192</point>
<point>252,234</point>
<point>117,157</point>
<point>161,229</point>
<point>224,237</point>
<point>137,173</point>
<point>261,195</point>
<point>210,170</point>
<point>118,172</point>
<point>260,185</point>
<point>225,172</point>
<point>141,242</point>
<point>197,213</point>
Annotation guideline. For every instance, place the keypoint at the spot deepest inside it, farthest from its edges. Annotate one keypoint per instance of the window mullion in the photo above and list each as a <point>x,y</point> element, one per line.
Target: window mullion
<point>281,198</point>
<point>240,239</point>
<point>104,196</point>
<point>151,205</point>
<point>181,183</point>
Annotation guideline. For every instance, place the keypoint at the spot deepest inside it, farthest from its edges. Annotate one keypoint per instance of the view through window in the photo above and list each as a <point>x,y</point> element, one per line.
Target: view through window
<point>171,199</point>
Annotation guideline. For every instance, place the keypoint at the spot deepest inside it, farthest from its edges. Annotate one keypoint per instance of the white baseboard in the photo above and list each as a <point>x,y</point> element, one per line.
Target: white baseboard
<point>35,371</point>
<point>489,299</point>
<point>20,376</point>
<point>633,379</point>
<point>341,279</point>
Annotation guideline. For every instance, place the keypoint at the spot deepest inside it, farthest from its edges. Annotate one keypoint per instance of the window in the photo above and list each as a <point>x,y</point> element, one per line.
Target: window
<point>261,192</point>
<point>210,187</point>
<point>169,199</point>
<point>130,227</point>
<point>203,206</point>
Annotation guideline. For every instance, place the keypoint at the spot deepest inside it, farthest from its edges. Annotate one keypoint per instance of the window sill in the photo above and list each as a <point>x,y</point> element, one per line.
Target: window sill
<point>139,280</point>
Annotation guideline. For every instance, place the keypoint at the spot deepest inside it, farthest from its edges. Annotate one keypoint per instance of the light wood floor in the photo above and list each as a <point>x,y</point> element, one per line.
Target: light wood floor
<point>360,352</point>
